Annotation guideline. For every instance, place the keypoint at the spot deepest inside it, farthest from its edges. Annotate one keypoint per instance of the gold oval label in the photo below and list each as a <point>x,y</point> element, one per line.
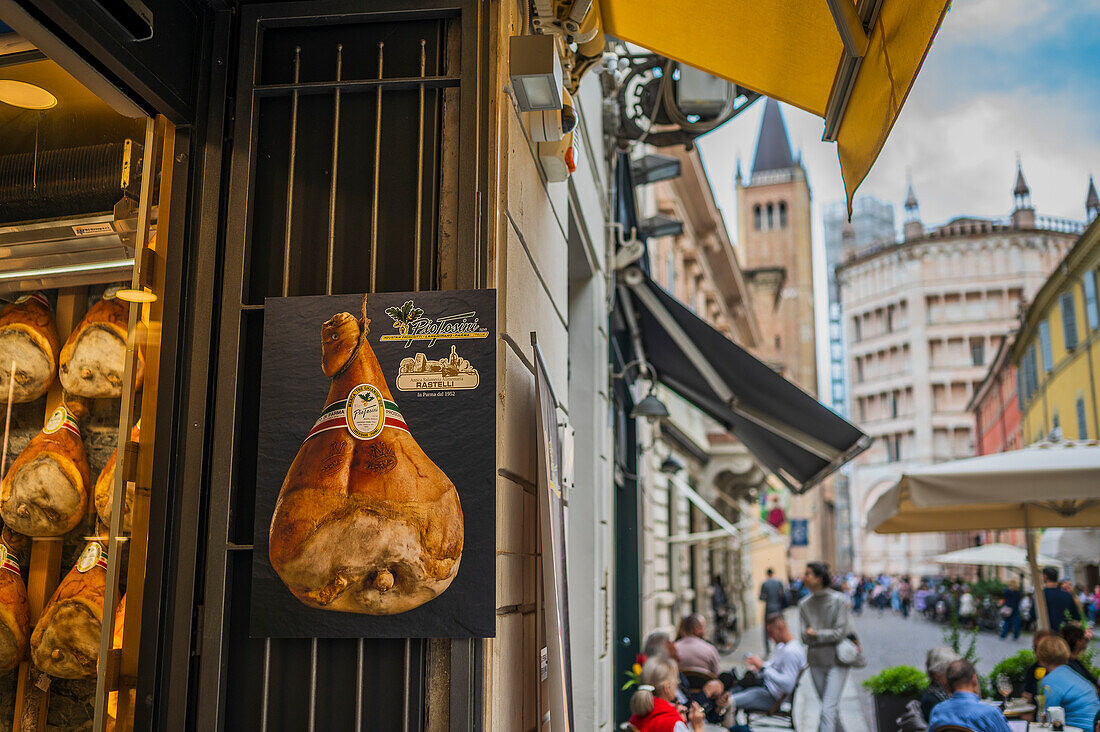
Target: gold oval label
<point>89,557</point>
<point>56,420</point>
<point>366,414</point>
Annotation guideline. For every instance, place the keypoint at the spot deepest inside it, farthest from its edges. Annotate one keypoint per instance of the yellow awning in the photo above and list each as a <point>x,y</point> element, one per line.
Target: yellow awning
<point>792,50</point>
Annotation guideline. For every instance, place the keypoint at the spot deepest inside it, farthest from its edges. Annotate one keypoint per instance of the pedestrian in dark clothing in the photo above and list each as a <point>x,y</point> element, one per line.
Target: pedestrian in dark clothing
<point>1061,605</point>
<point>1010,610</point>
<point>773,595</point>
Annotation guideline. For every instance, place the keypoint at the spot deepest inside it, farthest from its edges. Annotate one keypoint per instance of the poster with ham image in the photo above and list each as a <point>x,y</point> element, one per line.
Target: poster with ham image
<point>375,512</point>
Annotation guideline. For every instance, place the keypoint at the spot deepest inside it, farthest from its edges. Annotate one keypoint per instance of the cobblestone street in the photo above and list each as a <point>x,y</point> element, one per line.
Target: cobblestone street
<point>888,640</point>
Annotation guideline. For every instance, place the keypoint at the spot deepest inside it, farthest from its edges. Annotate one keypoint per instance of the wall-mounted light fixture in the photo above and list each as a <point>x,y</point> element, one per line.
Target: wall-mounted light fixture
<point>653,168</point>
<point>660,225</point>
<point>26,96</point>
<point>535,72</point>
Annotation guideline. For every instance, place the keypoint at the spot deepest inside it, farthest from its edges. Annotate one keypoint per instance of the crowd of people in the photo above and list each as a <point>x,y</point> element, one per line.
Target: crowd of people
<point>1057,678</point>
<point>682,684</point>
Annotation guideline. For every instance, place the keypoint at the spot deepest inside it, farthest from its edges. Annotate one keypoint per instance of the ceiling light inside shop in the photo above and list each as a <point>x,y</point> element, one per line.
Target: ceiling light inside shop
<point>27,96</point>
<point>135,295</point>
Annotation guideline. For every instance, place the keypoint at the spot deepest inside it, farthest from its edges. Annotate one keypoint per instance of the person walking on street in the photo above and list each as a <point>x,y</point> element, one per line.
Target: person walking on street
<point>905,595</point>
<point>1010,610</point>
<point>825,623</point>
<point>1061,605</point>
<point>773,595</point>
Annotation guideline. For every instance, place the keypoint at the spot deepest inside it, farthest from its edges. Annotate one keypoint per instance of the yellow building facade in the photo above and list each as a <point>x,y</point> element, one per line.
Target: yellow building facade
<point>1057,351</point>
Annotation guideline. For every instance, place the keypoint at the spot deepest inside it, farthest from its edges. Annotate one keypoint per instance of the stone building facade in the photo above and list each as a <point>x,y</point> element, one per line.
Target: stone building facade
<point>775,245</point>
<point>681,554</point>
<point>923,317</point>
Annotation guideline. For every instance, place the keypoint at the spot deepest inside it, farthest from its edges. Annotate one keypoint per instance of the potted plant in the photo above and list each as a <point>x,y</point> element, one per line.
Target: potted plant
<point>892,689</point>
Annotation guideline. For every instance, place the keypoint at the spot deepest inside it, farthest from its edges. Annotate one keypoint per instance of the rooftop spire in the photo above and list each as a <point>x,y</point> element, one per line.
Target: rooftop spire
<point>1021,188</point>
<point>1092,201</point>
<point>773,147</point>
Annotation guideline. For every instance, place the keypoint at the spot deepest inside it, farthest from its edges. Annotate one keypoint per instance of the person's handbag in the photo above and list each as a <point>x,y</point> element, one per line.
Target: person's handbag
<point>848,653</point>
<point>1006,611</point>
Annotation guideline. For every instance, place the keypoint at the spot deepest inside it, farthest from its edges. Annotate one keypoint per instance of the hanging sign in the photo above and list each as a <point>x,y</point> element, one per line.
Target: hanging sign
<point>552,542</point>
<point>376,450</point>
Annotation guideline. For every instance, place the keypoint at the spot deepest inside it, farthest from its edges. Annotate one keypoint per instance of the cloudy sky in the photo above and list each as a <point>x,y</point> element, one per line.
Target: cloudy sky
<point>1003,77</point>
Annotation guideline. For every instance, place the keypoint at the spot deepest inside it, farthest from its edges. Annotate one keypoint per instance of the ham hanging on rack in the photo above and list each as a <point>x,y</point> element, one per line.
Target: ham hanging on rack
<point>28,339</point>
<point>94,357</point>
<point>65,642</point>
<point>45,491</point>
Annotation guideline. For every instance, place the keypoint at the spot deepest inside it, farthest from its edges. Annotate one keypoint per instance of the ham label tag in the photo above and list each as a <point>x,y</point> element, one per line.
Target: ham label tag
<point>365,413</point>
<point>61,419</point>
<point>92,556</point>
<point>7,561</point>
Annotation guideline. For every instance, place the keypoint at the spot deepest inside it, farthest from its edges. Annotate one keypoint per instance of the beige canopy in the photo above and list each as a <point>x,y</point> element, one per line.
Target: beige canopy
<point>1050,484</point>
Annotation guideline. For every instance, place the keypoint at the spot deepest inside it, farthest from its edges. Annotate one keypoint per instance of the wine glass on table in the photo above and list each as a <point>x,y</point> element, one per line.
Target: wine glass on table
<point>1004,688</point>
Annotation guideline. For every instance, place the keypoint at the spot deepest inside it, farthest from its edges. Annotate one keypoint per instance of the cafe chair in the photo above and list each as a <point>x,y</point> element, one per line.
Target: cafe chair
<point>781,714</point>
<point>696,679</point>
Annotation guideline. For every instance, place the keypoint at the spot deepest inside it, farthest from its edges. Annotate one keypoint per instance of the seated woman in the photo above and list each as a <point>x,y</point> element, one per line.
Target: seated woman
<point>1064,687</point>
<point>651,705</point>
<point>935,665</point>
<point>1077,639</point>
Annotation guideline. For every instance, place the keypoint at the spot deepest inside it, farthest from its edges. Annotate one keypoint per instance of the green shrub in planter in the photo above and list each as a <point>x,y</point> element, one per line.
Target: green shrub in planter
<point>893,688</point>
<point>898,681</point>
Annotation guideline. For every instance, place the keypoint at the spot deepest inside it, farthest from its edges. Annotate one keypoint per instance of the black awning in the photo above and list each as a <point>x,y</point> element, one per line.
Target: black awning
<point>789,432</point>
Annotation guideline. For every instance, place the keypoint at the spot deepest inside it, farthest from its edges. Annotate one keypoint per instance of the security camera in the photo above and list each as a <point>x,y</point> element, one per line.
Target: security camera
<point>552,124</point>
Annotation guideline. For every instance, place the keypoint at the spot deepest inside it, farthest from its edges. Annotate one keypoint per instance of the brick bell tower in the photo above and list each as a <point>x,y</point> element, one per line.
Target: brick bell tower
<point>775,246</point>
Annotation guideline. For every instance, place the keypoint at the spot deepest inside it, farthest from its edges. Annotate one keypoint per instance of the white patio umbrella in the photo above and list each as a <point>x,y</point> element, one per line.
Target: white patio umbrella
<point>1072,546</point>
<point>1050,484</point>
<point>994,555</point>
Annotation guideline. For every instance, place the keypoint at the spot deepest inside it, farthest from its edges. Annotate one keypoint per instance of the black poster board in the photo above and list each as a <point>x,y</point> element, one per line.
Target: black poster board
<point>343,541</point>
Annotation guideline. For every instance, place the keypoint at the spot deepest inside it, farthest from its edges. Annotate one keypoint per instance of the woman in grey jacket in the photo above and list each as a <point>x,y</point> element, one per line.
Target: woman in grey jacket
<point>825,622</point>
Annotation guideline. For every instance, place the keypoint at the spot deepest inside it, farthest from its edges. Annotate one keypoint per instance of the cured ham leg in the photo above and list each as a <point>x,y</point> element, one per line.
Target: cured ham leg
<point>45,492</point>
<point>28,338</point>
<point>15,612</point>
<point>65,642</point>
<point>365,521</point>
<point>104,484</point>
<point>94,356</point>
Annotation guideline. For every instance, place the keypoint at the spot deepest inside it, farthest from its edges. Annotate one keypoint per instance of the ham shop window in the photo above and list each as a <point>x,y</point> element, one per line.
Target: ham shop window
<point>81,276</point>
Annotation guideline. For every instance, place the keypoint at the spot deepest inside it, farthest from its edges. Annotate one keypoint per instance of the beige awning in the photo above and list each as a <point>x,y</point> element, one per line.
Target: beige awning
<point>1046,485</point>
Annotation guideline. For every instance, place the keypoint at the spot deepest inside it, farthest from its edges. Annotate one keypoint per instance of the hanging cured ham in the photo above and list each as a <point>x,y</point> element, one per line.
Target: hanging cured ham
<point>365,521</point>
<point>28,339</point>
<point>104,484</point>
<point>45,492</point>
<point>15,612</point>
<point>94,356</point>
<point>65,642</point>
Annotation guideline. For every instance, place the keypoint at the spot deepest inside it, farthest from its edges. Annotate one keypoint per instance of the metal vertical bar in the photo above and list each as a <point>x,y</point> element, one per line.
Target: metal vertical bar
<point>266,685</point>
<point>377,155</point>
<point>408,668</point>
<point>359,685</point>
<point>290,172</point>
<point>266,693</point>
<point>419,175</point>
<point>332,183</point>
<point>312,684</point>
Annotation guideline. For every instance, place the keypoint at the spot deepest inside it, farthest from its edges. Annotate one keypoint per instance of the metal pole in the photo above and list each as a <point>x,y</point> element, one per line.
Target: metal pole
<point>266,685</point>
<point>290,172</point>
<point>312,684</point>
<point>359,686</point>
<point>377,156</point>
<point>419,175</point>
<point>335,162</point>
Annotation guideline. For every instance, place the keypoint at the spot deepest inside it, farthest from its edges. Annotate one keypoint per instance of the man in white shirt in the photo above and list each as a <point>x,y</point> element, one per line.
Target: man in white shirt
<point>776,678</point>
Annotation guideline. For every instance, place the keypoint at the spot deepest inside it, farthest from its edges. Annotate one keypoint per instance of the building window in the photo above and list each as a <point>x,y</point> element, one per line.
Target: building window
<point>778,342</point>
<point>977,351</point>
<point>894,404</point>
<point>670,271</point>
<point>893,449</point>
<point>782,215</point>
<point>1069,320</point>
<point>771,217</point>
<point>1082,424</point>
<point>857,336</point>
<point>1092,307</point>
<point>1044,345</point>
<point>756,217</point>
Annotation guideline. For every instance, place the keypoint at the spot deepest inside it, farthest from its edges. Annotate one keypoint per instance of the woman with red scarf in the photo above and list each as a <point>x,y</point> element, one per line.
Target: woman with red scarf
<point>652,704</point>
